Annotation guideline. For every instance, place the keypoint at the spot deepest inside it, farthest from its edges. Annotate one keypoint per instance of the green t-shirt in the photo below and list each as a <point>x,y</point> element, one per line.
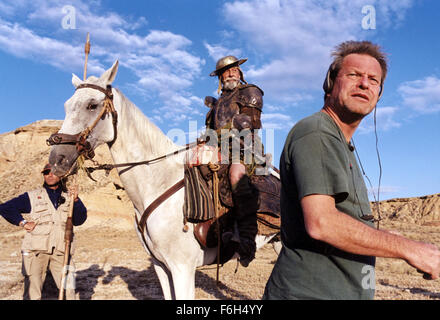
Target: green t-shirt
<point>317,160</point>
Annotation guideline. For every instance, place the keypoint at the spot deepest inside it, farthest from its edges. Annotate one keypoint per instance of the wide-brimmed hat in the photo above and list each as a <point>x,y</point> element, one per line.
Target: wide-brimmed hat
<point>226,63</point>
<point>48,166</point>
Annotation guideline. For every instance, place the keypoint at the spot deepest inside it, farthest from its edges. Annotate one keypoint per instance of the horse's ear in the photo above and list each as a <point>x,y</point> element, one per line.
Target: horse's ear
<point>109,76</point>
<point>76,81</point>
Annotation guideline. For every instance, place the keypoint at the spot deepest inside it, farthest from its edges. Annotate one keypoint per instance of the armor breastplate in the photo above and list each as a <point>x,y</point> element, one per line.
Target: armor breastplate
<point>239,109</point>
<point>225,108</point>
<point>245,99</point>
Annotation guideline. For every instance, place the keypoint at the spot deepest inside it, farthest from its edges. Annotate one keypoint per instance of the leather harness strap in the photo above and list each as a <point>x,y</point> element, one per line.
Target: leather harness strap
<point>80,139</point>
<point>107,92</point>
<point>143,222</point>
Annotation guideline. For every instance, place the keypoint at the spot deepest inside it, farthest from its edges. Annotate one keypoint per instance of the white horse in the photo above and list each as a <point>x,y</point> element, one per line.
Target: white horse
<point>133,137</point>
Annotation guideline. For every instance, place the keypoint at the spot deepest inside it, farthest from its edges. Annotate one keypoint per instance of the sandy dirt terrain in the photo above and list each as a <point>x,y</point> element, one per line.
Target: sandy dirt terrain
<point>112,264</point>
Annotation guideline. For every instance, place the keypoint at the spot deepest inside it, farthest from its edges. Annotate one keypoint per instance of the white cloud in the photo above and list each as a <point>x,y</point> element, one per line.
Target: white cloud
<point>217,51</point>
<point>289,41</point>
<point>294,38</point>
<point>421,95</point>
<point>280,121</point>
<point>386,119</point>
<point>161,60</point>
<point>24,43</point>
<point>273,108</point>
<point>384,192</point>
<point>6,8</point>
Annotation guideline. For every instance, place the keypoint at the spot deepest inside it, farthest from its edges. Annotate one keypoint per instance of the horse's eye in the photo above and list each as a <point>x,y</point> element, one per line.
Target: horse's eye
<point>92,107</point>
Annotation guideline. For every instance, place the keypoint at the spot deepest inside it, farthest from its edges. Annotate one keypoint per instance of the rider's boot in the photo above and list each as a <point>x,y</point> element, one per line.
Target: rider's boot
<point>245,198</point>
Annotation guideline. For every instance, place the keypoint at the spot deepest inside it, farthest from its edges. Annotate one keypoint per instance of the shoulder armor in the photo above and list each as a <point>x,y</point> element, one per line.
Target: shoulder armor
<point>210,101</point>
<point>251,96</point>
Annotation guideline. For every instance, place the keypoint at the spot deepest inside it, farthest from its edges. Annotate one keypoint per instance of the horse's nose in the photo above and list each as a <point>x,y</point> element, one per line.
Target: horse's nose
<point>60,163</point>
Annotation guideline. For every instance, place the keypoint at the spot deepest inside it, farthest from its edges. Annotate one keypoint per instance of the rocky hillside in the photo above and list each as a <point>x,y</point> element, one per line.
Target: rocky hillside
<point>112,264</point>
<point>423,211</point>
<point>23,153</point>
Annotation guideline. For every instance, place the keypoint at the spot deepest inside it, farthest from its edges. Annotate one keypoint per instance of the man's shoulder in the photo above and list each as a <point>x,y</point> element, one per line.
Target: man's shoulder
<point>37,194</point>
<point>317,123</point>
<point>316,127</point>
<point>35,191</point>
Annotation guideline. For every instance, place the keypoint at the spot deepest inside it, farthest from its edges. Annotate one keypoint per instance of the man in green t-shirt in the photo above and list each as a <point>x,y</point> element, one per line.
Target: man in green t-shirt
<point>327,230</point>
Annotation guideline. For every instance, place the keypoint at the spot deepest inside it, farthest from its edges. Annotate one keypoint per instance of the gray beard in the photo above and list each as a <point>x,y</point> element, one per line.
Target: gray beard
<point>230,84</point>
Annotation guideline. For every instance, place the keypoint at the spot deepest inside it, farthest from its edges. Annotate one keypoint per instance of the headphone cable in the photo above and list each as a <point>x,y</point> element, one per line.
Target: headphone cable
<point>380,170</point>
<point>380,167</point>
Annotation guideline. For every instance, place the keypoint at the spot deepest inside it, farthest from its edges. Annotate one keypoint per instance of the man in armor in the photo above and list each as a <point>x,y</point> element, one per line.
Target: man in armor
<point>235,116</point>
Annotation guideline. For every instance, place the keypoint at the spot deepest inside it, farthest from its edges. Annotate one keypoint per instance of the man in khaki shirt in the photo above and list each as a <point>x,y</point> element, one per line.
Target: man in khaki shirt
<point>43,245</point>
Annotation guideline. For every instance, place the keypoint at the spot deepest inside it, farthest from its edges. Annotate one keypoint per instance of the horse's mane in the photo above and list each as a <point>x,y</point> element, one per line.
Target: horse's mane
<point>142,129</point>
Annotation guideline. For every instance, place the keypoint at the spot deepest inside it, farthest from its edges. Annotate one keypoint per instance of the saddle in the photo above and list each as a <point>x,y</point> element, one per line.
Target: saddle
<point>199,205</point>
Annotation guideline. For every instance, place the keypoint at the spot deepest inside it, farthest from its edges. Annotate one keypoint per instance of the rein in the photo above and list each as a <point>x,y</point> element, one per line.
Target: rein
<point>84,147</point>
<point>108,167</point>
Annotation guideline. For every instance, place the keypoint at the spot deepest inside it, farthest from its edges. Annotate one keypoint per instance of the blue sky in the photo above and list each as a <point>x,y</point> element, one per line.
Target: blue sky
<point>167,49</point>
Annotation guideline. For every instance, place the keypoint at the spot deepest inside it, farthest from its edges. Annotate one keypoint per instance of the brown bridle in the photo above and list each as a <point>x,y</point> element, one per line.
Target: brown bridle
<point>83,147</point>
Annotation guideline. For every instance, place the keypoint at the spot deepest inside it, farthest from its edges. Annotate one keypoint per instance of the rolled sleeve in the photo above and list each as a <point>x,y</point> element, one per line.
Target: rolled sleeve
<point>79,215</point>
<point>11,210</point>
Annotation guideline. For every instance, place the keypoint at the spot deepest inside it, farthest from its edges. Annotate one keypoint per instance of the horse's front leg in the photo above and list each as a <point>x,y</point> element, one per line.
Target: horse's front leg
<point>184,281</point>
<point>164,279</point>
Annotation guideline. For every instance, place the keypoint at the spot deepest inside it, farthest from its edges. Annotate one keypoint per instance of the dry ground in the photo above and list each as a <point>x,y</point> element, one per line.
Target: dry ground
<point>111,264</point>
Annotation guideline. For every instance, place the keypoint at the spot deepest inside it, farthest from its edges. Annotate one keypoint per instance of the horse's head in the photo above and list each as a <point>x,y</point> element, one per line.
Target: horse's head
<point>90,121</point>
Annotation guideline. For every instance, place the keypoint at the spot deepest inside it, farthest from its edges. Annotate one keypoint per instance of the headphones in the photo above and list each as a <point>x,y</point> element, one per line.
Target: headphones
<point>328,82</point>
